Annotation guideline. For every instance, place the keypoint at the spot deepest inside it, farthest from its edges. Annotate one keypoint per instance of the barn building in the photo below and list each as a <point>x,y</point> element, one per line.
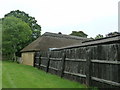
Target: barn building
<point>47,42</point>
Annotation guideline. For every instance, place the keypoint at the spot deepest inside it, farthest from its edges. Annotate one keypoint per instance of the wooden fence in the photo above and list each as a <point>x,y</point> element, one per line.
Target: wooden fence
<point>96,65</point>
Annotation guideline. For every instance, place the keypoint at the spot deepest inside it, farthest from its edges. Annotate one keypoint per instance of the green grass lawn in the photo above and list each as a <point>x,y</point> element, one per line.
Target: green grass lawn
<point>22,76</point>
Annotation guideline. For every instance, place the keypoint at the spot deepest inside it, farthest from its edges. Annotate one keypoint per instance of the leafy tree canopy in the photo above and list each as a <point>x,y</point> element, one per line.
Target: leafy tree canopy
<point>15,33</point>
<point>112,34</point>
<point>99,36</point>
<point>79,33</point>
<point>36,29</point>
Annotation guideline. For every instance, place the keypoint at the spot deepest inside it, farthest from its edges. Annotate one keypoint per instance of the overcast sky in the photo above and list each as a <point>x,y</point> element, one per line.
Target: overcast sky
<point>91,16</point>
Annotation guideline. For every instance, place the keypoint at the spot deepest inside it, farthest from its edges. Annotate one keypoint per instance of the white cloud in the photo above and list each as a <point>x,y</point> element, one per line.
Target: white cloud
<point>60,13</point>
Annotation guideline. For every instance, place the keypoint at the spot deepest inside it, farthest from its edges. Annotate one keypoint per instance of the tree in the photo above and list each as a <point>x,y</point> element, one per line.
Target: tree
<point>79,33</point>
<point>99,36</point>
<point>36,29</point>
<point>112,34</point>
<point>15,33</point>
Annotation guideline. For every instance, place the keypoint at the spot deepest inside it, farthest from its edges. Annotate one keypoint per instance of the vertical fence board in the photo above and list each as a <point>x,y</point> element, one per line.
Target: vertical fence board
<point>88,68</point>
<point>62,65</point>
<point>48,62</point>
<point>39,61</point>
<point>118,59</point>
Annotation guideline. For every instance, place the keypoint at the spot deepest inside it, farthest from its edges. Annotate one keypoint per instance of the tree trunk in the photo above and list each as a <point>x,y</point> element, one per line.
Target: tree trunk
<point>14,56</point>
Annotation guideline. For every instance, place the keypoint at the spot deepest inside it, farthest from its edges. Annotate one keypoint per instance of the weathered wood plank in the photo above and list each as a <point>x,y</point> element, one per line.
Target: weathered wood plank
<point>56,59</point>
<point>44,57</point>
<point>118,58</point>
<point>75,74</point>
<point>54,68</point>
<point>88,67</point>
<point>48,62</point>
<point>39,61</point>
<point>62,64</point>
<point>105,62</point>
<point>106,81</point>
<point>75,60</point>
<point>43,65</point>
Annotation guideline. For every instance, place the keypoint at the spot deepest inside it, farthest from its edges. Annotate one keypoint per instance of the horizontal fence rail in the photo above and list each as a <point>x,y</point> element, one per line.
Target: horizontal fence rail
<point>105,62</point>
<point>76,74</point>
<point>106,81</point>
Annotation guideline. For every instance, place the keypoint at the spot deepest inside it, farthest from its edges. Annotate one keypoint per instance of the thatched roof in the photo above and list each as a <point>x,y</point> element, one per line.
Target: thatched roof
<point>53,40</point>
<point>106,40</point>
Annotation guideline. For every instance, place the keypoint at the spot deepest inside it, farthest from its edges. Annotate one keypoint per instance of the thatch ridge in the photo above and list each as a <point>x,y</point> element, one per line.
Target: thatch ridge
<point>106,40</point>
<point>63,36</point>
<point>52,40</point>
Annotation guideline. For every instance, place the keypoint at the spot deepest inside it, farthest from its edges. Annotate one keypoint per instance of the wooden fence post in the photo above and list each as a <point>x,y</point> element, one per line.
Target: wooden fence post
<point>88,67</point>
<point>48,62</point>
<point>62,64</point>
<point>39,61</point>
<point>118,59</point>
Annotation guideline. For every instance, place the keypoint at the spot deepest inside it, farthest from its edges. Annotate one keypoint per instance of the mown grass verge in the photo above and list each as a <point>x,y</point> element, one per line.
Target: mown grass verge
<point>22,76</point>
